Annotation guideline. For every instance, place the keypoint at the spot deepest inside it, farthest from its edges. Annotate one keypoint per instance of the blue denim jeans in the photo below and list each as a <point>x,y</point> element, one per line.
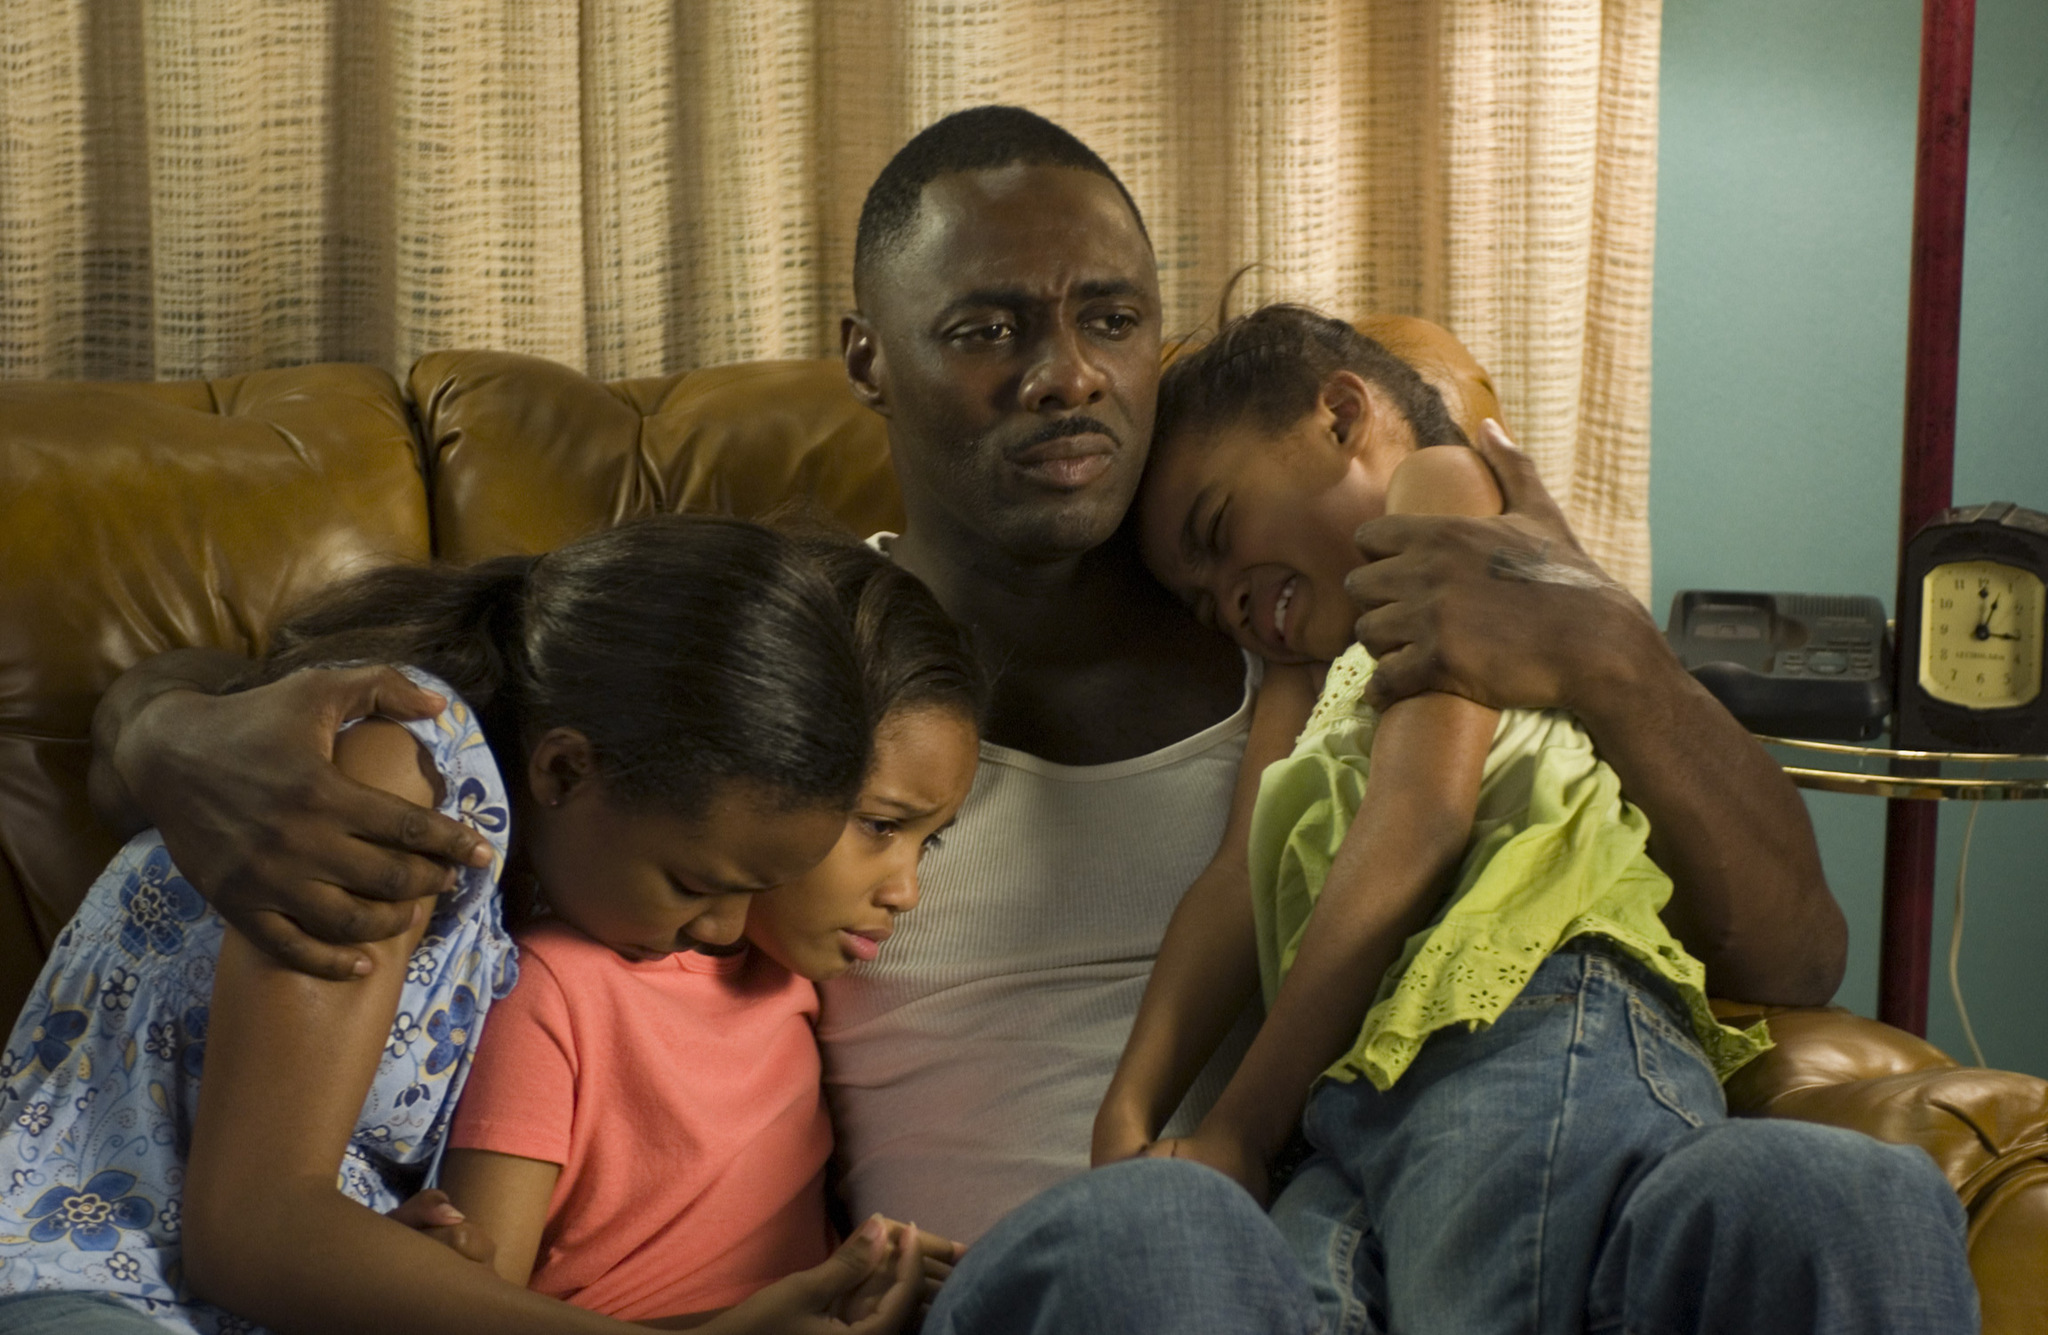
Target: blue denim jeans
<point>1151,1245</point>
<point>1574,1168</point>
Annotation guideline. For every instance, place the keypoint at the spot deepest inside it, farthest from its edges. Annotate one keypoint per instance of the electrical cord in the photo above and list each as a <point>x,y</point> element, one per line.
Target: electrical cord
<point>1955,937</point>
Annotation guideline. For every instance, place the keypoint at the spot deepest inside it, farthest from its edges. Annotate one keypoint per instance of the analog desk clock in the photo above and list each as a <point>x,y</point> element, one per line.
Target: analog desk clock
<point>1971,591</point>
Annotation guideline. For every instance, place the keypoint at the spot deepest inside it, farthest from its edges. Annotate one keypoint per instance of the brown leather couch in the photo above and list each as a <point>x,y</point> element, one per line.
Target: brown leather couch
<point>136,518</point>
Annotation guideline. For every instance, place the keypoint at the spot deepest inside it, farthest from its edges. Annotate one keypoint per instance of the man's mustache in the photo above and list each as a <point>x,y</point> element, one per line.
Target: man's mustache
<point>1064,427</point>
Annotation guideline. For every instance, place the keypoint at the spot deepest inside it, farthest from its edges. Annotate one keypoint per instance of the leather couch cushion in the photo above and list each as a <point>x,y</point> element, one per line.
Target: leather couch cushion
<point>142,517</point>
<point>527,454</point>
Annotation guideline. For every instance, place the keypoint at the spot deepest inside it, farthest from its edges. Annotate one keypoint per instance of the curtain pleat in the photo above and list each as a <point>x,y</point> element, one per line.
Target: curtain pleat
<point>196,187</point>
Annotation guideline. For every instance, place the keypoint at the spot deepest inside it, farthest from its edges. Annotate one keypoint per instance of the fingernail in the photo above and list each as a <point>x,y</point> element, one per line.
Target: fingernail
<point>874,1232</point>
<point>449,1214</point>
<point>361,968</point>
<point>480,855</point>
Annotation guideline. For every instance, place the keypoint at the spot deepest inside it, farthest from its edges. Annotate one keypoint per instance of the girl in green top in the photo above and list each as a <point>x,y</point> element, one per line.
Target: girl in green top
<point>1475,932</point>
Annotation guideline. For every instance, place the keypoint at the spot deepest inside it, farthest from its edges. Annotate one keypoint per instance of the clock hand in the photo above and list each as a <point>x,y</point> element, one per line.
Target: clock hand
<point>1982,630</point>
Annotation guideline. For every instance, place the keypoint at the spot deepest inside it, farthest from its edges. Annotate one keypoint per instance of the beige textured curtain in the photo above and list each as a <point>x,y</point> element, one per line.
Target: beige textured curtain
<point>194,187</point>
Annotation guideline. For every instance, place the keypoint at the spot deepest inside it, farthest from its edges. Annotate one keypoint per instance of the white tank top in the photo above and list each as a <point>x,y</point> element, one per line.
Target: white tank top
<point>964,1066</point>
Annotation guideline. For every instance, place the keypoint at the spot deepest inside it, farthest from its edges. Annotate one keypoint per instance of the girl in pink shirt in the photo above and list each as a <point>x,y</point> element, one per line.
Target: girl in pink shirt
<point>651,724</point>
<point>644,1133</point>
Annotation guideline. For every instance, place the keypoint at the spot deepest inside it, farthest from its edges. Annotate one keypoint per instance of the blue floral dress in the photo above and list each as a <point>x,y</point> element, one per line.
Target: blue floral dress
<point>99,1081</point>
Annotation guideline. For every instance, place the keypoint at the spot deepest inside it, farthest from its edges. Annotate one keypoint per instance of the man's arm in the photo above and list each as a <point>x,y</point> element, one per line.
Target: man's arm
<point>1510,612</point>
<point>304,861</point>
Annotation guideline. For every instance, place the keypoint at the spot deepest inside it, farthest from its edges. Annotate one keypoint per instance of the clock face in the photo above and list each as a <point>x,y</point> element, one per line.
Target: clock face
<point>1980,634</point>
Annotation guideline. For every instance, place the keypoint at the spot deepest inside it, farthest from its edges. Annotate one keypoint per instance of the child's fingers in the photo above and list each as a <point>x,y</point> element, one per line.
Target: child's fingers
<point>935,1274</point>
<point>936,1248</point>
<point>905,1290</point>
<point>427,1209</point>
<point>465,1240</point>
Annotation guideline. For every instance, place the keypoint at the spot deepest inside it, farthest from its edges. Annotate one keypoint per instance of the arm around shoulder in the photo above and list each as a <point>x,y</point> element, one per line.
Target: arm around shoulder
<point>303,860</point>
<point>1511,611</point>
<point>124,746</point>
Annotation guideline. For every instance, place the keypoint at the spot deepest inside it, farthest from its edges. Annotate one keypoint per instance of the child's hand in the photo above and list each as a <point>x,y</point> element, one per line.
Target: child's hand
<point>432,1213</point>
<point>938,1255</point>
<point>817,1301</point>
<point>1225,1153</point>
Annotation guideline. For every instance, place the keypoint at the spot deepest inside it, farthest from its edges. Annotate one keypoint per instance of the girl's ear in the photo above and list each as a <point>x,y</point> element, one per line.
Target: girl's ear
<point>563,764</point>
<point>1346,401</point>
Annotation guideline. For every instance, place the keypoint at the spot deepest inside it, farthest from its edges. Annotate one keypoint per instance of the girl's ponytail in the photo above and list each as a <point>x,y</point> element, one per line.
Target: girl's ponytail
<point>689,650</point>
<point>461,623</point>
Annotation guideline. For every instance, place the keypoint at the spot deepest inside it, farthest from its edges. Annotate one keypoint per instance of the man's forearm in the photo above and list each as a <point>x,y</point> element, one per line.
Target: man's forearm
<point>113,721</point>
<point>1727,826</point>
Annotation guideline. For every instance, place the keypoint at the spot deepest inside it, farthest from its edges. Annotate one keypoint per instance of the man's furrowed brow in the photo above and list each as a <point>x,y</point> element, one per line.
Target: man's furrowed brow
<point>1016,298</point>
<point>982,298</point>
<point>1097,288</point>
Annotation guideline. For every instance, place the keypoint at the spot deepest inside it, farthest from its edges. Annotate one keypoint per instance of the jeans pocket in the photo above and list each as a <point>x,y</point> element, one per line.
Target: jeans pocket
<point>1670,1063</point>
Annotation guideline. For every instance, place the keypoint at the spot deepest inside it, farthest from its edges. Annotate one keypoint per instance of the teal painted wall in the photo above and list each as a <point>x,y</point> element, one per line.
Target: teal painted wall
<point>1783,220</point>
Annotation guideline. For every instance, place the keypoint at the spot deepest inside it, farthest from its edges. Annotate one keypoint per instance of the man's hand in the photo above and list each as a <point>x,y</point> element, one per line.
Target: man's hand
<point>1508,611</point>
<point>1226,1153</point>
<point>432,1213</point>
<point>302,860</point>
<point>1511,612</point>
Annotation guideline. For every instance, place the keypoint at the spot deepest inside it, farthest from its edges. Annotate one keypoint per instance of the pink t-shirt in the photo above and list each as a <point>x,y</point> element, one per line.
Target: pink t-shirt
<point>681,1097</point>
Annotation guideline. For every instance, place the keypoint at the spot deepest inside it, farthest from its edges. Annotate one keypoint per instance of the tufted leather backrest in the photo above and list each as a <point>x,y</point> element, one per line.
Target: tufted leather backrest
<point>528,454</point>
<point>139,518</point>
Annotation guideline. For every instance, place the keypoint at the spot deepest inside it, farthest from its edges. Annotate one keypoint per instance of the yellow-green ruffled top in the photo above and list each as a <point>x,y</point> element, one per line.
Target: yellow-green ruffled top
<point>1555,853</point>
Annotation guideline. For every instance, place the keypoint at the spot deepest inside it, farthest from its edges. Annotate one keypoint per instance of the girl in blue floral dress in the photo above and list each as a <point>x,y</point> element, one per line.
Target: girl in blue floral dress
<point>687,698</point>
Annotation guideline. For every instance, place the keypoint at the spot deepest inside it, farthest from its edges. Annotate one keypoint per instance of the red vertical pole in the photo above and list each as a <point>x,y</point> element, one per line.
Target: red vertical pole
<point>1933,340</point>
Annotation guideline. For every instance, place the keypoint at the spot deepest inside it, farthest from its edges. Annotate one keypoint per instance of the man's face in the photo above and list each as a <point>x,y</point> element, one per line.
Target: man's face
<point>1012,341</point>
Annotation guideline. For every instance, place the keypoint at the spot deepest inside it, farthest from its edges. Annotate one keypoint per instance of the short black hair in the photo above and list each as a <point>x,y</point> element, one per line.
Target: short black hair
<point>1269,366</point>
<point>977,139</point>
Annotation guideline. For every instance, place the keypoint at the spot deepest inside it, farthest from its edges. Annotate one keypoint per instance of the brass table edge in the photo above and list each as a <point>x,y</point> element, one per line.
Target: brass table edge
<point>1893,785</point>
<point>1887,753</point>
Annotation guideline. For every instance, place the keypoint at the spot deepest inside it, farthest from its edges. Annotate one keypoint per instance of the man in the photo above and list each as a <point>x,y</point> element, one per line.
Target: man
<point>1009,329</point>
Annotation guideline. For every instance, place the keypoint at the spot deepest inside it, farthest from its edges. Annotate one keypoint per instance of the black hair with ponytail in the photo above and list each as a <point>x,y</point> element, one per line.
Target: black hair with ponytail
<point>690,651</point>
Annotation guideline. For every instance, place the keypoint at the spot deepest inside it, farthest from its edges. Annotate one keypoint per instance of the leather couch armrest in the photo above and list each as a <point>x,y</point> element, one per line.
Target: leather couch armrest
<point>1986,1130</point>
<point>1819,1047</point>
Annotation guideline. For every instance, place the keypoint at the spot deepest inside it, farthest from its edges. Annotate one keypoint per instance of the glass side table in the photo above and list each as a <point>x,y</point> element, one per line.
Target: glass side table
<point>1906,778</point>
<point>1875,771</point>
